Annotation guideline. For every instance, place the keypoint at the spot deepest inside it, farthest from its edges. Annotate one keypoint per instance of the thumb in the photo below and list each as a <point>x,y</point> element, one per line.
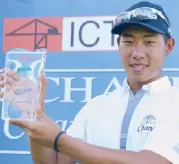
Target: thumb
<point>21,123</point>
<point>39,112</point>
<point>43,86</point>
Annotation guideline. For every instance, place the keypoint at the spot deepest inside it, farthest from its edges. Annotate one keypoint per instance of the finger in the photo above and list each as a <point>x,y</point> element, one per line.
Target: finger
<point>1,77</point>
<point>26,130</point>
<point>22,123</point>
<point>2,80</point>
<point>12,74</point>
<point>9,81</point>
<point>40,114</point>
<point>38,109</point>
<point>9,78</point>
<point>43,85</point>
<point>2,83</point>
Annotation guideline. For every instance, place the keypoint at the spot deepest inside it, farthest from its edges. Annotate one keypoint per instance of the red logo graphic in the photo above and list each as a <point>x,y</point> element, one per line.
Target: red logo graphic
<point>32,34</point>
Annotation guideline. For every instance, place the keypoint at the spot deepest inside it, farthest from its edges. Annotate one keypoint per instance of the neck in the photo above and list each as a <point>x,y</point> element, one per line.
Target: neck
<point>137,85</point>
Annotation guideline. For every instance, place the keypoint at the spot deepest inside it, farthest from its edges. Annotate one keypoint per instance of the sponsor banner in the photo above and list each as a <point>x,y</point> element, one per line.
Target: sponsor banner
<point>60,34</point>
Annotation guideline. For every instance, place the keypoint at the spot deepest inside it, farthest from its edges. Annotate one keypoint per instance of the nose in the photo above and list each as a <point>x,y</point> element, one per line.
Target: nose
<point>137,53</point>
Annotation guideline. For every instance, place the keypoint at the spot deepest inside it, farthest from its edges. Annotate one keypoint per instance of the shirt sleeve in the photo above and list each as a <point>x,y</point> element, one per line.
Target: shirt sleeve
<point>164,140</point>
<point>78,128</point>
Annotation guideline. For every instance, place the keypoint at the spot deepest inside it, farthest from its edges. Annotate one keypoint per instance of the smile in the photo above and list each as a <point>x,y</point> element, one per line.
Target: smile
<point>138,68</point>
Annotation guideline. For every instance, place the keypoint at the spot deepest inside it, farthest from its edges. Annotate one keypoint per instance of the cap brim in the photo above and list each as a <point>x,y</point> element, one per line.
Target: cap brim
<point>121,27</point>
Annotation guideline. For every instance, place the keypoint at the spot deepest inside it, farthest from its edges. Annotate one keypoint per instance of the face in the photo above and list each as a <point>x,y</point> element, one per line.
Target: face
<point>142,53</point>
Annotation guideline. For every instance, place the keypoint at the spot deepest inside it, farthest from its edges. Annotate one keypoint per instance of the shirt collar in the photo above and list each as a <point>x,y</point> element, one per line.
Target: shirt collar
<point>153,87</point>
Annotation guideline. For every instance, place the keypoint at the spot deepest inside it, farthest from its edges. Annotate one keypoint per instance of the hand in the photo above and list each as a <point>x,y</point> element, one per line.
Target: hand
<point>43,131</point>
<point>12,77</point>
<point>13,80</point>
<point>13,93</point>
<point>36,149</point>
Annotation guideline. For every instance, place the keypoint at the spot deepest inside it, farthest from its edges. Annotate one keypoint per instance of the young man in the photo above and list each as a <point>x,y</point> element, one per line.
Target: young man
<point>137,124</point>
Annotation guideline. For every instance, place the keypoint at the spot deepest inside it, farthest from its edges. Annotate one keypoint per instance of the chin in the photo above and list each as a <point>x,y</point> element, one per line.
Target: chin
<point>141,79</point>
<point>147,80</point>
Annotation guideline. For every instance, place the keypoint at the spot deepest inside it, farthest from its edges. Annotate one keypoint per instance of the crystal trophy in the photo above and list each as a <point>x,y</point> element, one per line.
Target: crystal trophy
<point>21,96</point>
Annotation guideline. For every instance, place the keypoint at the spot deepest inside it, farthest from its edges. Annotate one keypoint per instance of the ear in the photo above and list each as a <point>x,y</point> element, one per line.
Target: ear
<point>169,45</point>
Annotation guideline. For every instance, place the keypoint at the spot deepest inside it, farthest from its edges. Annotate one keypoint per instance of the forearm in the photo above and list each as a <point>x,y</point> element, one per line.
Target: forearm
<point>89,154</point>
<point>64,159</point>
<point>42,155</point>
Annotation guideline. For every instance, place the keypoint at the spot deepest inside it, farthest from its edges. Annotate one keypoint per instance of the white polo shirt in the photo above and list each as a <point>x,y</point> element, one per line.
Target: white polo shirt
<point>148,120</point>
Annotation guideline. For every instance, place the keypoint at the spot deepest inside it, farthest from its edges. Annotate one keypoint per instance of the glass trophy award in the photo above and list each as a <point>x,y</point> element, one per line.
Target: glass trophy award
<point>22,94</point>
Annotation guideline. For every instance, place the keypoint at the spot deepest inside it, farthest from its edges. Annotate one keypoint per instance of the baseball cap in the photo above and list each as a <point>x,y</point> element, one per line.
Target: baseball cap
<point>146,14</point>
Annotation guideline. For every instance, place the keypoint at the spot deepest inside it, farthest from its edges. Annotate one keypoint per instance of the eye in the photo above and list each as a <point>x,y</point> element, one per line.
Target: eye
<point>150,42</point>
<point>128,42</point>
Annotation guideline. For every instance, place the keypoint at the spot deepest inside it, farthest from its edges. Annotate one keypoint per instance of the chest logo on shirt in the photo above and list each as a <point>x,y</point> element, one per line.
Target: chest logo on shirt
<point>148,124</point>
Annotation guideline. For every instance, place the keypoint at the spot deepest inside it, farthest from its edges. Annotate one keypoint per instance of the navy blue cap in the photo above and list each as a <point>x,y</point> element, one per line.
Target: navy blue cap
<point>158,25</point>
